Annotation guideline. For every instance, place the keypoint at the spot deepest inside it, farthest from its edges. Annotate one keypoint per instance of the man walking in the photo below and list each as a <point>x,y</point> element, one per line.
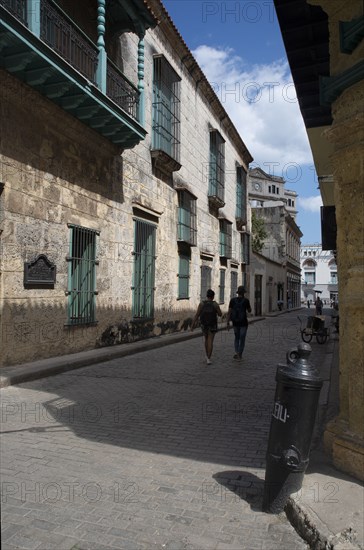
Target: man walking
<point>238,308</point>
<point>207,312</point>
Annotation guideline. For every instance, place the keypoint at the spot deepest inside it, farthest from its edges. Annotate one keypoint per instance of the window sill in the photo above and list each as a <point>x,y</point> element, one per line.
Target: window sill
<point>164,162</point>
<point>216,201</point>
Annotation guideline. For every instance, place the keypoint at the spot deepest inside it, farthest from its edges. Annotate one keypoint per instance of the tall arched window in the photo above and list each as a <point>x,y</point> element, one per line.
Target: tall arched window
<point>333,272</point>
<point>309,270</point>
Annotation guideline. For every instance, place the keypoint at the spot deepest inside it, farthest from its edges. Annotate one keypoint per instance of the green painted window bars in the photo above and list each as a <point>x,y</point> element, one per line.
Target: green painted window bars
<point>186,229</point>
<point>241,213</point>
<point>144,269</point>
<point>206,272</point>
<point>166,108</point>
<point>184,276</point>
<point>225,240</point>
<point>82,276</point>
<point>216,166</point>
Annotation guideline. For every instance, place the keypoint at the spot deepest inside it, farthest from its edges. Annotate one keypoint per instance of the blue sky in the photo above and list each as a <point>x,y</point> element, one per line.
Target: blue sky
<point>239,47</point>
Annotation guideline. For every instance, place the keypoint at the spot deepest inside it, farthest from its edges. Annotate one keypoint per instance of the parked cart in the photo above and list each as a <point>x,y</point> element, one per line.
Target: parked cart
<point>314,326</point>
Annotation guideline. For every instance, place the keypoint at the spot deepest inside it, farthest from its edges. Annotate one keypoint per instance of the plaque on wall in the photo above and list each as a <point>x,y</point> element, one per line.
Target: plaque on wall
<point>40,273</point>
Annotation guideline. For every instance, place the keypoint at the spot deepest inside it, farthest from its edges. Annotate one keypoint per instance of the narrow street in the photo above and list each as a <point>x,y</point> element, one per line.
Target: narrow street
<point>155,450</point>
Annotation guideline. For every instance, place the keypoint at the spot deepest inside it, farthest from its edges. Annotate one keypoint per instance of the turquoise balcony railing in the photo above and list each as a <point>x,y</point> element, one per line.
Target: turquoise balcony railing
<point>39,61</point>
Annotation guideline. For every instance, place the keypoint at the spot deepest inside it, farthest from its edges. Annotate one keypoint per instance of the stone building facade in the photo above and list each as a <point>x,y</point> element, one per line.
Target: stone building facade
<point>319,273</point>
<point>326,37</point>
<point>264,188</point>
<point>116,217</point>
<point>276,269</point>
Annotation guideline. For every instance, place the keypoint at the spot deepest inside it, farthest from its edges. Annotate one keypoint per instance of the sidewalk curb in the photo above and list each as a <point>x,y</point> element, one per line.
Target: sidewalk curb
<point>302,516</point>
<point>27,372</point>
<point>43,368</point>
<point>310,527</point>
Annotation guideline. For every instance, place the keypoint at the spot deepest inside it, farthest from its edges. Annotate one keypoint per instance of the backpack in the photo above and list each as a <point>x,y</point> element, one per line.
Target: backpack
<point>208,315</point>
<point>238,312</point>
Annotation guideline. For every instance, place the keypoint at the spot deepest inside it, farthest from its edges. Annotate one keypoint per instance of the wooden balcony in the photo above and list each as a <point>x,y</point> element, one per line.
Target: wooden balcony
<point>61,63</point>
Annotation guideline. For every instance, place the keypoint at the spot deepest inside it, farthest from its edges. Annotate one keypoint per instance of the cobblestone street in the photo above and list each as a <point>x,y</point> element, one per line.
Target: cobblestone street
<point>153,450</point>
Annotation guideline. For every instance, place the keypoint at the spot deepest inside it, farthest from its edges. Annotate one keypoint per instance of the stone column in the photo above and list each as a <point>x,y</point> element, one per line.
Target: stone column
<point>344,436</point>
<point>101,73</point>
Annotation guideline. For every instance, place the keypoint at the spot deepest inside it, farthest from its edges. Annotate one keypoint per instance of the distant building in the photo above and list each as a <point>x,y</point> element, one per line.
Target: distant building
<point>276,268</point>
<point>319,273</point>
<point>265,188</point>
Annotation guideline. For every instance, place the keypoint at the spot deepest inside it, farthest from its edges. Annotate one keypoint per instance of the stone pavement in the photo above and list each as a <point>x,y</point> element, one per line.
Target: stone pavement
<point>156,450</point>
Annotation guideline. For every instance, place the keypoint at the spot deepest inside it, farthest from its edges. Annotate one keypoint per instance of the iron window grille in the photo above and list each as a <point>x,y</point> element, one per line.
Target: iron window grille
<point>82,276</point>
<point>62,35</point>
<point>222,286</point>
<point>217,166</point>
<point>186,228</point>
<point>68,40</point>
<point>184,277</point>
<point>144,269</point>
<point>205,280</point>
<point>166,108</point>
<point>233,283</point>
<point>17,8</point>
<point>245,248</point>
<point>225,239</point>
<point>241,207</point>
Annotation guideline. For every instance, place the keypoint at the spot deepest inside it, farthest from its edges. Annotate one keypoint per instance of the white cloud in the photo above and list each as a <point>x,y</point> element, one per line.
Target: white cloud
<point>310,204</point>
<point>261,101</point>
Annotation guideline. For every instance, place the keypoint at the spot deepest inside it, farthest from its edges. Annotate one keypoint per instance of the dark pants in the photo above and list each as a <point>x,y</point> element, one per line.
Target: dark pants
<point>239,342</point>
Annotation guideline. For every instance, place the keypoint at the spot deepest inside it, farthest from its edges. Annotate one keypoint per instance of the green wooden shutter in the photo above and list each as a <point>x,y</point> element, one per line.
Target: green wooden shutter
<point>166,100</point>
<point>225,239</point>
<point>183,276</point>
<point>234,283</point>
<point>81,276</point>
<point>217,165</point>
<point>144,269</point>
<point>205,280</point>
<point>245,246</point>
<point>186,218</point>
<point>241,194</point>
<point>213,166</point>
<point>222,286</point>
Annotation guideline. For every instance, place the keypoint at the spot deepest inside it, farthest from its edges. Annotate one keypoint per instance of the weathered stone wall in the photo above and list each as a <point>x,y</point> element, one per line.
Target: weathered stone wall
<point>275,228</point>
<point>56,172</point>
<point>345,435</point>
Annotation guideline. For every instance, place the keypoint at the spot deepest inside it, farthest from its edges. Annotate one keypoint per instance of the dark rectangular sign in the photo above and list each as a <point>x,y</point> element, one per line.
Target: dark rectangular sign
<point>328,227</point>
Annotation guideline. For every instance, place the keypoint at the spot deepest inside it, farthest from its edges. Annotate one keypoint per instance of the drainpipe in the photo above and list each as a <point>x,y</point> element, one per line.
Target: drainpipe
<point>102,57</point>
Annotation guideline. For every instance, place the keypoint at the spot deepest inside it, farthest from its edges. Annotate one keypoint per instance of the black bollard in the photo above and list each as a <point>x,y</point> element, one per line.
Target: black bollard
<point>293,419</point>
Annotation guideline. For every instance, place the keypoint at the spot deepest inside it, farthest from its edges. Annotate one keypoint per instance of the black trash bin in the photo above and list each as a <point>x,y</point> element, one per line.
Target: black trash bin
<point>293,419</point>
